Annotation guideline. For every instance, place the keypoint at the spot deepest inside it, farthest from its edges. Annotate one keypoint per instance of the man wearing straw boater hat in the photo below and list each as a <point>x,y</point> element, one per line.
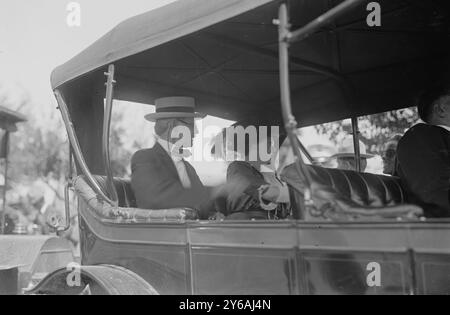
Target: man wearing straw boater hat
<point>161,178</point>
<point>345,156</point>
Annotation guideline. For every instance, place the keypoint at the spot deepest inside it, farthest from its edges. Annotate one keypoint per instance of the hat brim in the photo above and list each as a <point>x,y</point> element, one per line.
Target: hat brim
<point>366,156</point>
<point>155,116</point>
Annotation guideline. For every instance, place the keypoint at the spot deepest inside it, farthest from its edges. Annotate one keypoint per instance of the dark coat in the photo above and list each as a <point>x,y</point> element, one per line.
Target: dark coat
<point>156,183</point>
<point>243,182</point>
<point>424,168</point>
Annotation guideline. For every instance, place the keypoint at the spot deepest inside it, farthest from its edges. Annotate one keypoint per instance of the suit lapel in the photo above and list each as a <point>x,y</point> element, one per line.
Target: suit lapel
<point>193,177</point>
<point>167,160</point>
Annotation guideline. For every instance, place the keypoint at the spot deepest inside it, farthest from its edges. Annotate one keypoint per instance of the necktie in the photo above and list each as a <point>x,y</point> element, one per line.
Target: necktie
<point>182,173</point>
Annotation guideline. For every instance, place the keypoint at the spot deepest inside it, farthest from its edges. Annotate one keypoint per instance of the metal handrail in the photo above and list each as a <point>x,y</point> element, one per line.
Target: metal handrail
<point>66,225</point>
<point>77,150</point>
<point>313,27</point>
<point>112,192</point>
<point>326,18</point>
<point>286,37</point>
<point>289,119</point>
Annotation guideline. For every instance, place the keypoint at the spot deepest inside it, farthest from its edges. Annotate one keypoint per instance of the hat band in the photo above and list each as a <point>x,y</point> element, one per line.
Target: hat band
<point>174,109</point>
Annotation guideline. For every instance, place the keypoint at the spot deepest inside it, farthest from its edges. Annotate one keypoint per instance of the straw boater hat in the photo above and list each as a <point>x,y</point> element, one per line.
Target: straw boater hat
<point>346,149</point>
<point>174,107</point>
<point>321,152</point>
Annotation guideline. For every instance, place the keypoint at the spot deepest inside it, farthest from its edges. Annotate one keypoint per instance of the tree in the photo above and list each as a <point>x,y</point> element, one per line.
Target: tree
<point>38,154</point>
<point>120,157</point>
<point>38,164</point>
<point>375,129</point>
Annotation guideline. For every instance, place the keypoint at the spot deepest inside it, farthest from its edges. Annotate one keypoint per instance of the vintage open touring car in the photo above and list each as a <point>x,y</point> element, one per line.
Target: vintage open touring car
<point>232,55</point>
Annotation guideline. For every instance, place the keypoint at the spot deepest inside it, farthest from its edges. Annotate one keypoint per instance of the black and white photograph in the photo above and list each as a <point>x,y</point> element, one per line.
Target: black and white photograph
<point>224,153</point>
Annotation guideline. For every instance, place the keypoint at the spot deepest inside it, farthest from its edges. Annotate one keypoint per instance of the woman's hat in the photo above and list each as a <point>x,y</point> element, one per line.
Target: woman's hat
<point>347,149</point>
<point>174,107</point>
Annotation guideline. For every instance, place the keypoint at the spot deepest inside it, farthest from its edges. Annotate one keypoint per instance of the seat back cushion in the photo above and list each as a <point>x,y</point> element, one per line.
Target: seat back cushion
<point>363,188</point>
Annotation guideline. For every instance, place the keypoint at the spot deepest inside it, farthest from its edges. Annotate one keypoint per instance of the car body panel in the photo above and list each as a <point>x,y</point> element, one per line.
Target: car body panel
<point>34,257</point>
<point>274,257</point>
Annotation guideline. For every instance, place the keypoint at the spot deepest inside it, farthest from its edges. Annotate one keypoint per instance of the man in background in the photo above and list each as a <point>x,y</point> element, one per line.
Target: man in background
<point>322,155</point>
<point>345,157</point>
<point>390,156</point>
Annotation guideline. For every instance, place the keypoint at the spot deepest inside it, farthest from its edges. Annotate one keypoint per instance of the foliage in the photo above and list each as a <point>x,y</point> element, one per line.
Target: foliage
<point>375,129</point>
<point>38,154</point>
<point>120,157</point>
<point>38,164</point>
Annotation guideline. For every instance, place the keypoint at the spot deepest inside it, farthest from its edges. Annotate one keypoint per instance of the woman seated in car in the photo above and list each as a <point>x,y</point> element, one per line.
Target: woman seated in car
<point>253,189</point>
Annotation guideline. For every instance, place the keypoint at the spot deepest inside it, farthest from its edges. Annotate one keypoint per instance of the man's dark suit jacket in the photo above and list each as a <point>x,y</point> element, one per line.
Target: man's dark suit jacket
<point>424,168</point>
<point>243,182</point>
<point>156,183</point>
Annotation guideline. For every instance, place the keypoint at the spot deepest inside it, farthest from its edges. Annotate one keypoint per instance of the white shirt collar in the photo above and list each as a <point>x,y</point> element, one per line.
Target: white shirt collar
<point>266,169</point>
<point>167,147</point>
<point>445,127</point>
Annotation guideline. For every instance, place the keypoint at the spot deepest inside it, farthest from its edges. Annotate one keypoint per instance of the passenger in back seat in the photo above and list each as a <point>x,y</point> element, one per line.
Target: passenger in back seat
<point>254,189</point>
<point>161,178</point>
<point>424,155</point>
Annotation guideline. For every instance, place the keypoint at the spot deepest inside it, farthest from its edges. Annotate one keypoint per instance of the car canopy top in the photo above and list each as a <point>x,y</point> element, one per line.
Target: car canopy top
<point>225,54</point>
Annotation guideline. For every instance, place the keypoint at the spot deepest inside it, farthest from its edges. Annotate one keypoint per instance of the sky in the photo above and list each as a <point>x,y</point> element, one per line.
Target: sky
<point>35,38</point>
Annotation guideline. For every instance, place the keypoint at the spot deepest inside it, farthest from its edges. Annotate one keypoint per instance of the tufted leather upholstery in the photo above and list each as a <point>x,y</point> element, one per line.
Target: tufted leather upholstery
<point>369,191</point>
<point>363,188</point>
<point>350,192</point>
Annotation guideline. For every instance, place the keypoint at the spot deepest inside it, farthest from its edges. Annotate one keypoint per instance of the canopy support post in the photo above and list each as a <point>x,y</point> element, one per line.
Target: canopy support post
<point>5,184</point>
<point>112,192</point>
<point>286,37</point>
<point>289,119</point>
<point>321,21</point>
<point>357,149</point>
<point>77,150</point>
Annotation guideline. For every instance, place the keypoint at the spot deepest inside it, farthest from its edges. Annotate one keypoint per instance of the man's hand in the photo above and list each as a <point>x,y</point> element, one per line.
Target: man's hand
<point>271,194</point>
